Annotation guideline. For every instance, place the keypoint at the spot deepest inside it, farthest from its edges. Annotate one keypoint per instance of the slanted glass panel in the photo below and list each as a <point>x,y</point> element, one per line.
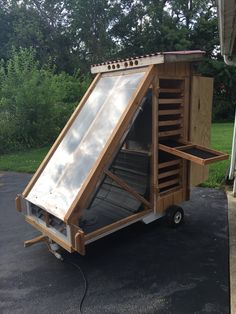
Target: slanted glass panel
<point>67,170</point>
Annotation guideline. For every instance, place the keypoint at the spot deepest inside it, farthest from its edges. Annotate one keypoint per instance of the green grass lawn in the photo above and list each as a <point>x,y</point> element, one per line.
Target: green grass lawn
<point>29,161</point>
<point>221,139</point>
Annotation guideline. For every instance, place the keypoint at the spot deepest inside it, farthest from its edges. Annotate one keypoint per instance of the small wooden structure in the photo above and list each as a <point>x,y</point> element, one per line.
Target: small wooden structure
<point>130,151</point>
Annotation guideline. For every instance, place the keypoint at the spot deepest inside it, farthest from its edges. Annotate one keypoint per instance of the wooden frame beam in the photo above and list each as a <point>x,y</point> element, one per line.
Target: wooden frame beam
<point>127,188</point>
<point>49,233</point>
<point>116,226</point>
<point>127,64</point>
<point>110,149</point>
<point>154,159</point>
<point>35,240</point>
<point>18,203</point>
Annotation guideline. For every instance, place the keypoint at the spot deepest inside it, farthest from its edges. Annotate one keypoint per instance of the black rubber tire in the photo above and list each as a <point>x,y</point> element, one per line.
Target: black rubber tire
<point>175,216</point>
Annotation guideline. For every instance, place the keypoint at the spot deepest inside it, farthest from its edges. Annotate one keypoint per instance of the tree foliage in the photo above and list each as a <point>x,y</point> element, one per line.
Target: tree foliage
<point>77,33</point>
<point>52,39</point>
<point>35,102</point>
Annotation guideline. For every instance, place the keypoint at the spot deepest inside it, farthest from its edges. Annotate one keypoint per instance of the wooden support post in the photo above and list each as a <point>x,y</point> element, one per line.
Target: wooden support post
<point>79,242</point>
<point>77,238</point>
<point>154,159</point>
<point>186,164</point>
<point>18,203</point>
<point>46,218</point>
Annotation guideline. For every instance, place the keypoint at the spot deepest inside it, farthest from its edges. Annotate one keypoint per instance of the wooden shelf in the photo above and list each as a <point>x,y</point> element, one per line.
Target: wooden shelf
<point>170,133</point>
<point>170,112</point>
<point>169,163</point>
<point>195,153</point>
<point>170,90</point>
<point>170,101</point>
<point>169,122</point>
<point>168,173</point>
<point>168,183</point>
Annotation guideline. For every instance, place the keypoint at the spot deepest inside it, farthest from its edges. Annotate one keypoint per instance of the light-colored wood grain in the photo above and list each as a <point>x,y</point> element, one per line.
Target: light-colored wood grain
<point>116,225</point>
<point>110,149</point>
<point>178,197</point>
<point>18,203</point>
<point>168,183</point>
<point>174,197</point>
<point>168,200</point>
<point>184,178</point>
<point>35,240</point>
<point>170,122</point>
<point>80,242</point>
<point>170,101</point>
<point>173,70</point>
<point>170,133</point>
<point>154,160</point>
<point>168,112</point>
<point>127,188</point>
<point>171,90</point>
<point>46,231</point>
<point>200,122</point>
<point>171,190</point>
<point>169,163</point>
<point>186,108</point>
<point>124,72</point>
<point>128,64</point>
<point>188,156</point>
<point>168,173</point>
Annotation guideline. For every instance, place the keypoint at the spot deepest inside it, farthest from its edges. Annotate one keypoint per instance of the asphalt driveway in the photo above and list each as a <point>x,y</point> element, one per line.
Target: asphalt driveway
<point>140,269</point>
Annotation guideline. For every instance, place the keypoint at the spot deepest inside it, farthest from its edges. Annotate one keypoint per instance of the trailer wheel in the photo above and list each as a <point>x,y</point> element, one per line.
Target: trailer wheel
<point>175,216</point>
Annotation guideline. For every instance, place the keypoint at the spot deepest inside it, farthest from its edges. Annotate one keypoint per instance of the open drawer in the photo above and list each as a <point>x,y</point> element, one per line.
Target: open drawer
<point>189,151</point>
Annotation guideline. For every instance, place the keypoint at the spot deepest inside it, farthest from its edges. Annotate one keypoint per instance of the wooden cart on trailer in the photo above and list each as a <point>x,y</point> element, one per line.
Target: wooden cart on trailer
<point>130,151</point>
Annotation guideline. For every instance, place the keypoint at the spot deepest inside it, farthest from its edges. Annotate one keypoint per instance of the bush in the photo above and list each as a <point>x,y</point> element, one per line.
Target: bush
<point>35,102</point>
<point>223,110</point>
<point>224,99</point>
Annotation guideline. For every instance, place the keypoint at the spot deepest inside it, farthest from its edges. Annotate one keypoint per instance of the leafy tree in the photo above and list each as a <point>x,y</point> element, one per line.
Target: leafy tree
<point>35,102</point>
<point>224,102</point>
<point>73,34</point>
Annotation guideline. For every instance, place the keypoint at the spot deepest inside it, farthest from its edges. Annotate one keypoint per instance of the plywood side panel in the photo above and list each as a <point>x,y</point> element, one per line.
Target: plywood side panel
<point>200,122</point>
<point>174,70</point>
<point>169,199</point>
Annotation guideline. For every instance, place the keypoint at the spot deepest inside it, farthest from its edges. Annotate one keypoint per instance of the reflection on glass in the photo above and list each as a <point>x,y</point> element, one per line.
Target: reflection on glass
<point>65,173</point>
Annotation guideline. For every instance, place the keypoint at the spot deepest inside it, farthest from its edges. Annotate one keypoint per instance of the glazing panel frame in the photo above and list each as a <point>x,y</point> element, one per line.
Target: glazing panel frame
<point>83,101</point>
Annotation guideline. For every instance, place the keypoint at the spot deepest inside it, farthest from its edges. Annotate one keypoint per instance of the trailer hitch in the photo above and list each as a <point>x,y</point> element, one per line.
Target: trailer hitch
<point>52,246</point>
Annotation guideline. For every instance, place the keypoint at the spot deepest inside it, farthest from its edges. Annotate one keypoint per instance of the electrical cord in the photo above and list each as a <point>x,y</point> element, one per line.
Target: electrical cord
<point>85,284</point>
<point>58,256</point>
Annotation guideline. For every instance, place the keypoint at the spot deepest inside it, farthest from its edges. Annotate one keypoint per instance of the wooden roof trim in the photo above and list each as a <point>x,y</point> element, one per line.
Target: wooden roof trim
<point>149,59</point>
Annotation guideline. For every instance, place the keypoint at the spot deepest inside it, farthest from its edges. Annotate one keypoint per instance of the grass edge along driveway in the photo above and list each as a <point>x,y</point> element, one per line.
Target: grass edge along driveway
<point>221,139</point>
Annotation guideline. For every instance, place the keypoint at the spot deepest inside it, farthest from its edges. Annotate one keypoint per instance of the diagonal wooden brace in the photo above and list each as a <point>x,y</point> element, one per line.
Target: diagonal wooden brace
<point>126,187</point>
